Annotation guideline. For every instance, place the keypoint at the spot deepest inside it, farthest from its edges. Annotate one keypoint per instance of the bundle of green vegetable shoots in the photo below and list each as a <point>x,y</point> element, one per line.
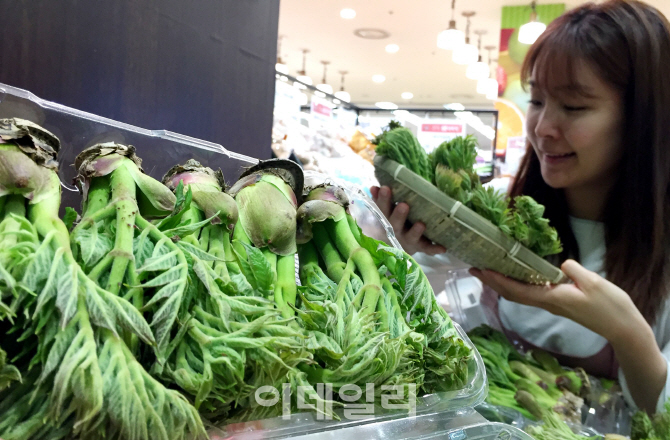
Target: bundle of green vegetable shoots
<point>553,428</point>
<point>656,427</point>
<point>451,169</point>
<point>79,375</point>
<point>533,384</point>
<point>371,313</point>
<point>164,306</point>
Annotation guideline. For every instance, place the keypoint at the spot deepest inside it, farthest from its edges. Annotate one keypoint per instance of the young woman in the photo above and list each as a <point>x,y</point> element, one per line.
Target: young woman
<point>598,158</point>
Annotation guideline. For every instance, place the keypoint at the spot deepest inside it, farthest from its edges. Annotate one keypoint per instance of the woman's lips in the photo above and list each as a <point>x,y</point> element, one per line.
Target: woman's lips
<point>555,159</point>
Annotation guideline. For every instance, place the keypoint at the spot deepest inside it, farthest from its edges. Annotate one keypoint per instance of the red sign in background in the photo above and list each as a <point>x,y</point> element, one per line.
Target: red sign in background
<point>442,128</point>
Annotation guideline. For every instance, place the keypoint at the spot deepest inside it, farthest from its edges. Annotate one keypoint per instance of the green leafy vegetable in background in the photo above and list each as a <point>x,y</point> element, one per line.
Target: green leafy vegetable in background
<point>531,229</point>
<point>400,145</point>
<point>656,427</point>
<point>459,153</point>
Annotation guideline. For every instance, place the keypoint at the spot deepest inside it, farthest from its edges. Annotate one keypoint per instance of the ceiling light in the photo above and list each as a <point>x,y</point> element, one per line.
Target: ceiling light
<point>341,94</point>
<point>378,78</point>
<point>347,13</point>
<point>479,69</point>
<point>493,92</point>
<point>305,80</point>
<point>466,53</point>
<point>371,33</point>
<point>451,38</point>
<point>484,85</point>
<point>302,75</point>
<point>281,68</point>
<point>337,102</point>
<point>385,105</point>
<point>319,94</point>
<point>407,95</point>
<point>392,48</point>
<point>324,86</point>
<point>455,106</point>
<point>530,31</point>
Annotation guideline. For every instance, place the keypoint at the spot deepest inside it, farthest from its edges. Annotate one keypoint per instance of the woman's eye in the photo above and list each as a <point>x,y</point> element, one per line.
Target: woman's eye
<point>535,103</point>
<point>571,108</point>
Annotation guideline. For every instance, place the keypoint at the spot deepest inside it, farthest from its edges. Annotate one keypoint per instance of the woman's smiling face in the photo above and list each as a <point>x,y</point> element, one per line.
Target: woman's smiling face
<point>576,129</point>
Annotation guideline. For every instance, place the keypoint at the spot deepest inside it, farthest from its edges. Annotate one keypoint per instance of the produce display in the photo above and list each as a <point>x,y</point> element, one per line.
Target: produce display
<point>161,308</point>
<point>533,384</point>
<point>450,168</point>
<point>651,428</point>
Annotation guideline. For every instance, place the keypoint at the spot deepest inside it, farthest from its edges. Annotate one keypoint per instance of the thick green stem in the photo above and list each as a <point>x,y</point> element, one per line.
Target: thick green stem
<point>97,197</point>
<point>286,290</point>
<point>331,257</point>
<point>348,246</point>
<point>231,264</point>
<point>193,215</point>
<point>217,249</point>
<point>123,193</point>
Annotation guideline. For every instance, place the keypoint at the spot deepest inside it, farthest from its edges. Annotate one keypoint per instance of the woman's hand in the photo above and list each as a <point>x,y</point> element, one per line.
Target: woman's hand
<point>605,309</point>
<point>411,238</point>
<point>591,301</point>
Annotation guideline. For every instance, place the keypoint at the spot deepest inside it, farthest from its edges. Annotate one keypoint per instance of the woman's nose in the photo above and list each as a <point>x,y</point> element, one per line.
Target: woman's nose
<point>547,124</point>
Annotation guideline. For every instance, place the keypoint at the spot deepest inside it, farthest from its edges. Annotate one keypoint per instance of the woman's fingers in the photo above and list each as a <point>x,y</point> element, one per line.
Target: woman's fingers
<point>399,216</point>
<point>384,200</point>
<point>583,278</point>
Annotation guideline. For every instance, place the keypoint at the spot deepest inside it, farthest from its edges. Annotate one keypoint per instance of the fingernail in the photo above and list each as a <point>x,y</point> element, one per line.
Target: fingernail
<point>384,191</point>
<point>402,208</point>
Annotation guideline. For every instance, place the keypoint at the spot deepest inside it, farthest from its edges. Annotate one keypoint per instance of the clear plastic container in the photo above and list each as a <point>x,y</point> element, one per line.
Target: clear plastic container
<point>454,425</point>
<point>160,150</point>
<point>464,297</point>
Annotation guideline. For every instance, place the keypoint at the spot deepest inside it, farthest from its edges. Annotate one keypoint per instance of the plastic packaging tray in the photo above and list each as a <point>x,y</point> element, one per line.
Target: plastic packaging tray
<point>160,150</point>
<point>456,425</point>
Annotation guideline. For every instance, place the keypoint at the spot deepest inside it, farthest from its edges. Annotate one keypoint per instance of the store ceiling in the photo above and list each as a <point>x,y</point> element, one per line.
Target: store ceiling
<point>418,67</point>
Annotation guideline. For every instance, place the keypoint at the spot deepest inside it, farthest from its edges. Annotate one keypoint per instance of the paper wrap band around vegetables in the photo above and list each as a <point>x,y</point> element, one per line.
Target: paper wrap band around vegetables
<point>207,188</point>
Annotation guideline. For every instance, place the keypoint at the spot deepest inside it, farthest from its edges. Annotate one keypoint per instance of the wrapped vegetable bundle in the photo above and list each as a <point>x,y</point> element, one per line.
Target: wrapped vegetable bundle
<point>451,169</point>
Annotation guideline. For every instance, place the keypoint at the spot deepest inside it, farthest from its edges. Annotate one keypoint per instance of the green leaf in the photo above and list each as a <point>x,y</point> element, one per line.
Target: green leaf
<point>39,268</point>
<point>174,274</point>
<point>182,205</point>
<point>174,288</point>
<point>70,217</point>
<point>260,267</point>
<point>68,293</point>
<point>93,245</point>
<point>49,291</point>
<point>143,248</point>
<point>164,319</point>
<point>128,317</point>
<point>98,311</point>
<point>194,250</point>
<point>160,263</point>
<point>182,231</point>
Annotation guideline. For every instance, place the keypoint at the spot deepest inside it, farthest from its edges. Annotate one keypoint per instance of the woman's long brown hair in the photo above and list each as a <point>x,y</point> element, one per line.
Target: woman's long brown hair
<point>628,44</point>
